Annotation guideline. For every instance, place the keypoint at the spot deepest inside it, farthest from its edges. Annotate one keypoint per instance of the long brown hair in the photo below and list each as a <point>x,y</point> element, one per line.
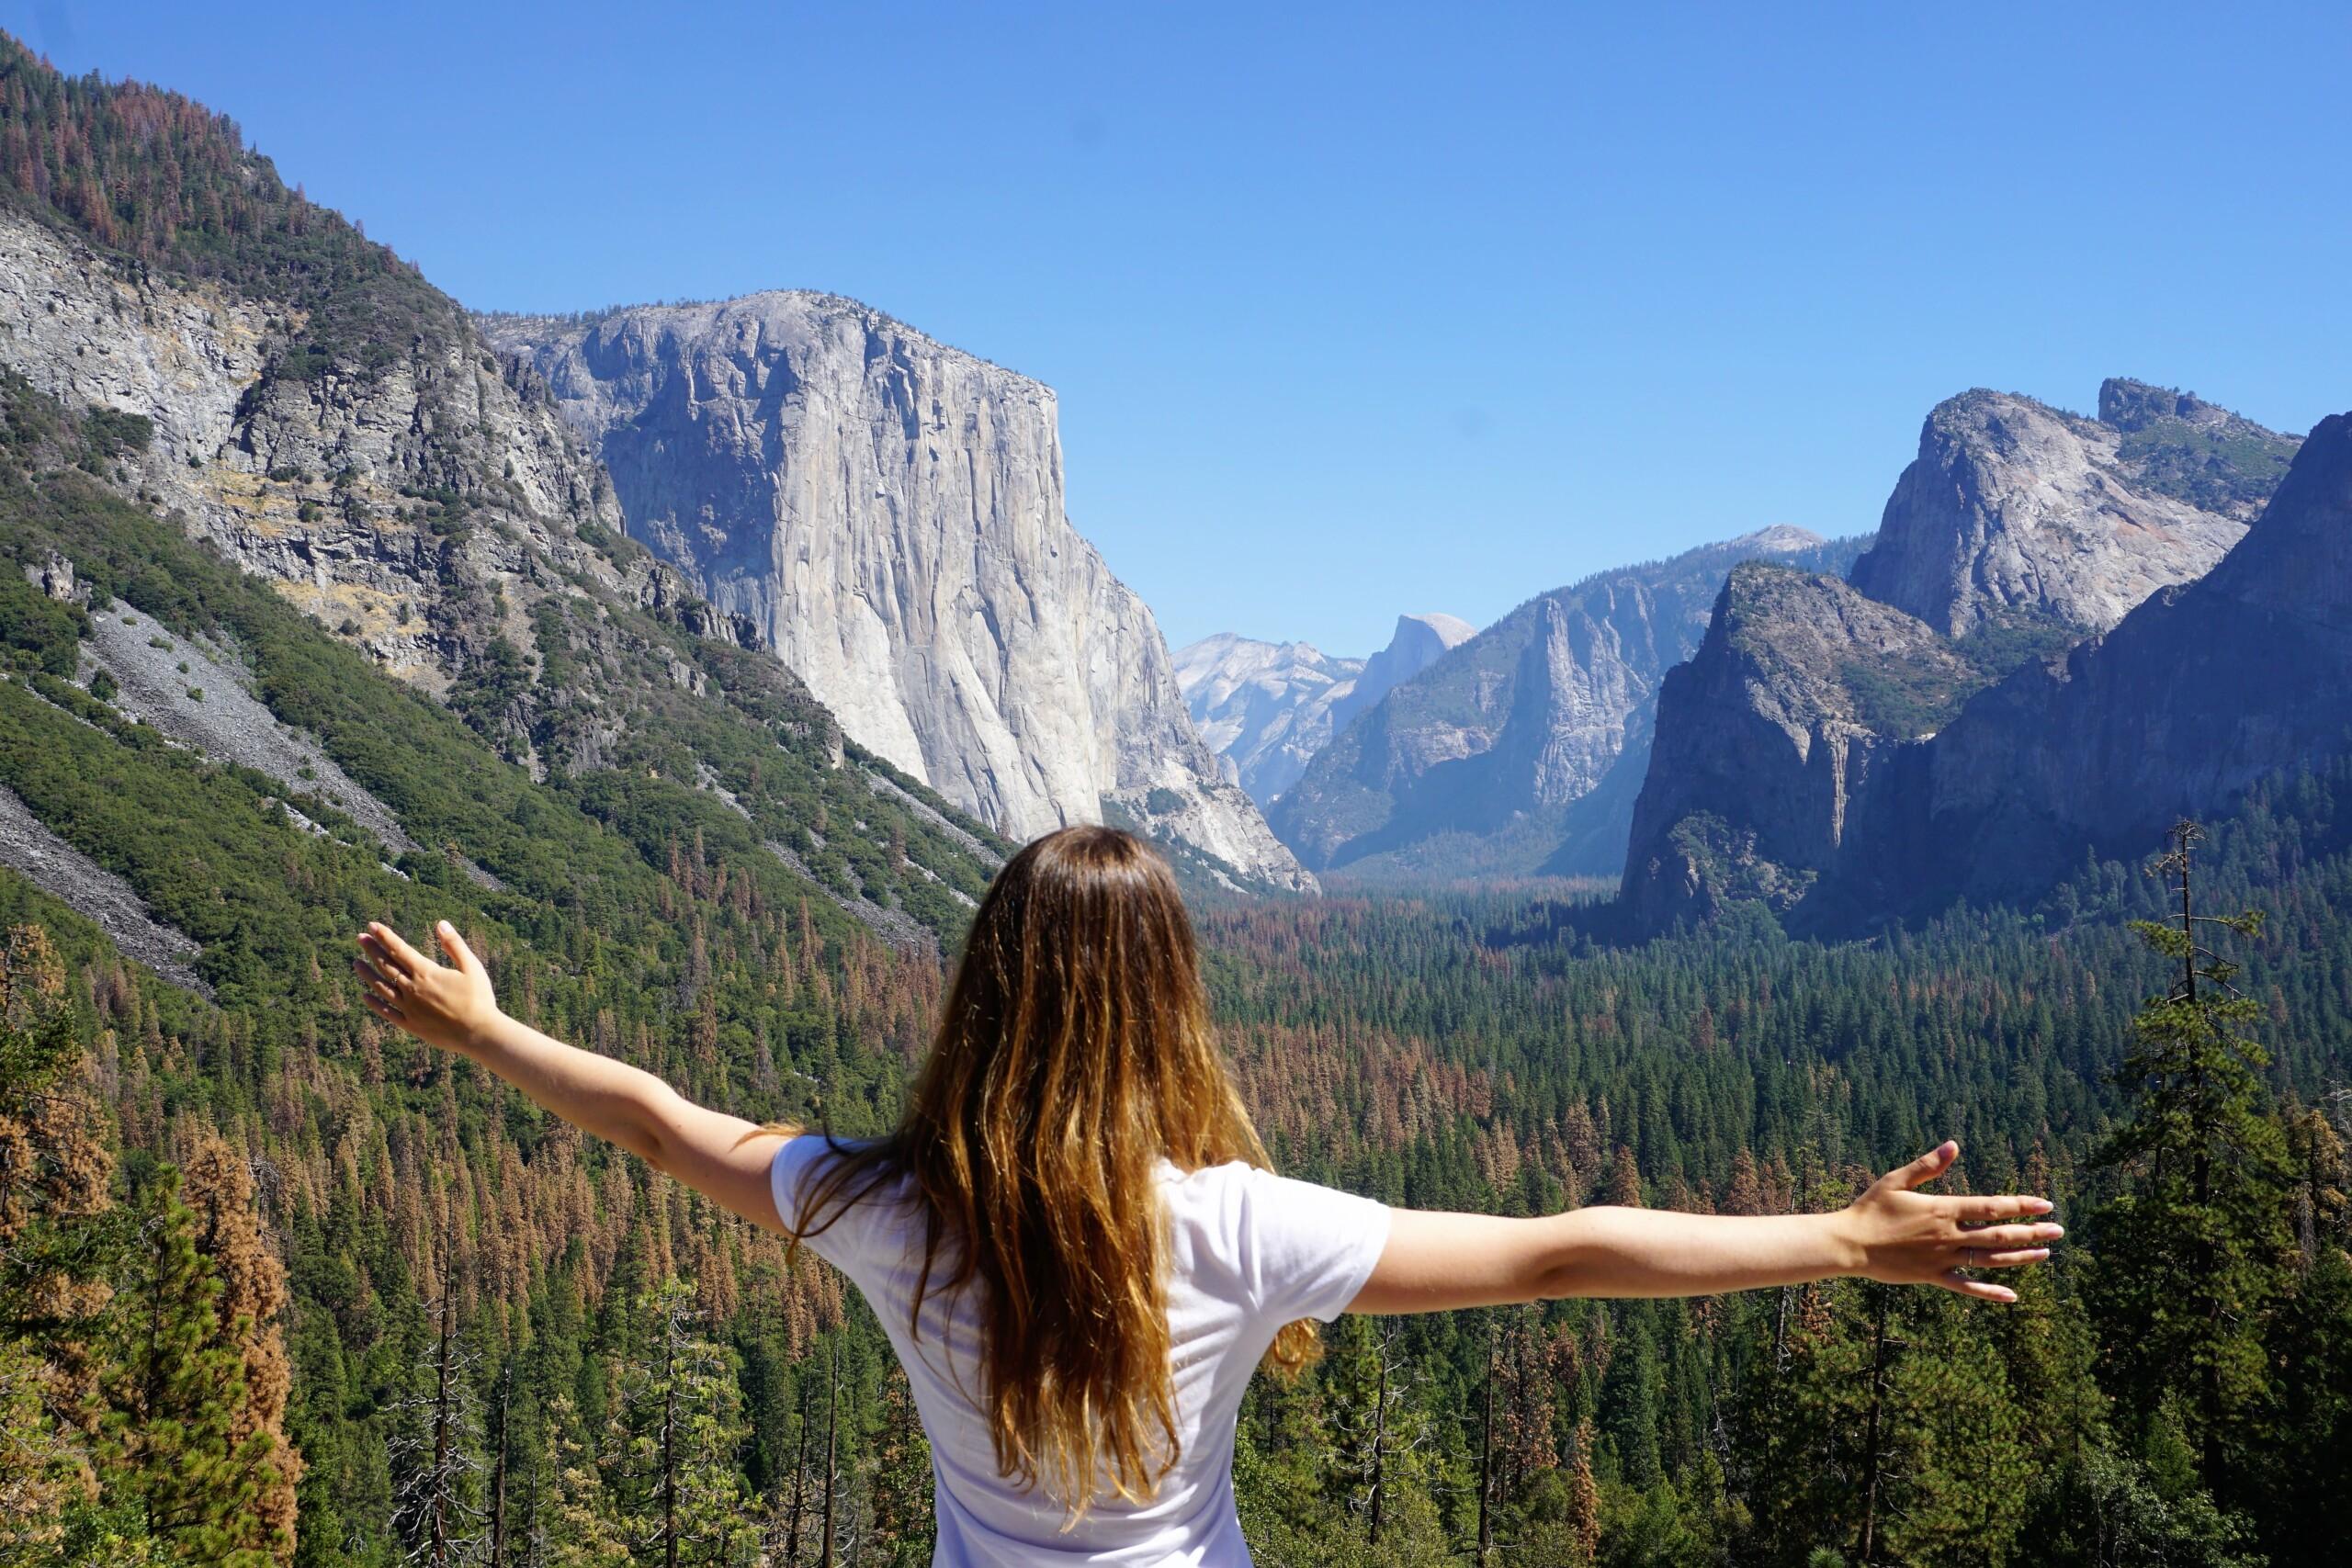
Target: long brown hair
<point>1073,1054</point>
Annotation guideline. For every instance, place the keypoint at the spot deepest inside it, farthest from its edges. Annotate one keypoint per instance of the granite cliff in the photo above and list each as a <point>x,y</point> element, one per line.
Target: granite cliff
<point>2196,695</point>
<point>2015,512</point>
<point>1849,763</point>
<point>209,350</point>
<point>1521,749</point>
<point>1266,707</point>
<point>1793,724</point>
<point>887,513</point>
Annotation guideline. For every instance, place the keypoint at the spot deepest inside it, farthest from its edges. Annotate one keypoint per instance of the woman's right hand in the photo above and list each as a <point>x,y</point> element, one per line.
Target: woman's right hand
<point>1901,1236</point>
<point>448,1005</point>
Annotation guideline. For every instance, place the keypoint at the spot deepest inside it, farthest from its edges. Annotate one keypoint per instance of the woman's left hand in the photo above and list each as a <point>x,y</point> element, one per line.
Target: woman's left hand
<point>448,1005</point>
<point>1901,1236</point>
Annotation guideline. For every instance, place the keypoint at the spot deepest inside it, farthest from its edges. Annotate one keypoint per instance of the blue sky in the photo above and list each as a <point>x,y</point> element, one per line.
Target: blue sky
<point>1355,310</point>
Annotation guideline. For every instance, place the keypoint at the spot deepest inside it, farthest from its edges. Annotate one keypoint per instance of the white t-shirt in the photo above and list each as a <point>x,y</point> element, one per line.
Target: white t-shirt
<point>1249,1252</point>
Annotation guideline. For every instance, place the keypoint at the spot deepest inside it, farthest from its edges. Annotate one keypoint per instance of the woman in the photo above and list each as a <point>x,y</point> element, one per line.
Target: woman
<point>1074,1239</point>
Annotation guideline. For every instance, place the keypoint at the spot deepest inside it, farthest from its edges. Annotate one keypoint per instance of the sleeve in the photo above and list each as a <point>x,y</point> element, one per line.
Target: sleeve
<point>787,1178</point>
<point>1307,1249</point>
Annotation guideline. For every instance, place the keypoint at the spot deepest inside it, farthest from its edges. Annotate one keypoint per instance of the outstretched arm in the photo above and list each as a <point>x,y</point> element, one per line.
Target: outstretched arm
<point>450,1005</point>
<point>1437,1262</point>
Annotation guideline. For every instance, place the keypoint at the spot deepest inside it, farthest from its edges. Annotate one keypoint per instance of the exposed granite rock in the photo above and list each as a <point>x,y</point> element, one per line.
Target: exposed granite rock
<point>420,507</point>
<point>1266,709</point>
<point>2199,693</point>
<point>1521,750</point>
<point>322,482</point>
<point>2202,690</point>
<point>2015,510</point>
<point>1804,696</point>
<point>889,512</point>
<point>433,509</point>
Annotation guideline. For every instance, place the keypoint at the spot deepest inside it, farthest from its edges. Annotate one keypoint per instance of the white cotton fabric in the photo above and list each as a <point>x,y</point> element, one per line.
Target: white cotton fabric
<point>1249,1252</point>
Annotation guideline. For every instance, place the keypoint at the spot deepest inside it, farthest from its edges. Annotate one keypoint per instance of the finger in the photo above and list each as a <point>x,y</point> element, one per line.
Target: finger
<point>1926,1167</point>
<point>373,982</point>
<point>1983,1290</point>
<point>455,946</point>
<point>380,952</point>
<point>392,942</point>
<point>384,1009</point>
<point>1996,1236</point>
<point>2009,1206</point>
<point>2019,1258</point>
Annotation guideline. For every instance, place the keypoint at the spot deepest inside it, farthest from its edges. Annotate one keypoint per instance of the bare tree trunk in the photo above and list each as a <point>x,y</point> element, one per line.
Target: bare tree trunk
<point>670,1440</point>
<point>1871,1425</point>
<point>498,1472</point>
<point>833,1468</point>
<point>442,1425</point>
<point>1486,1460</point>
<point>799,1489</point>
<point>1379,1438</point>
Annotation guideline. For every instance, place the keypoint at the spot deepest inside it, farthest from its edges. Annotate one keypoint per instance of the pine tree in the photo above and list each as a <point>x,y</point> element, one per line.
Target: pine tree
<point>176,1393</point>
<point>1889,1436</point>
<point>2192,1256</point>
<point>680,1418</point>
<point>576,1525</point>
<point>902,1479</point>
<point>59,1238</point>
<point>220,1187</point>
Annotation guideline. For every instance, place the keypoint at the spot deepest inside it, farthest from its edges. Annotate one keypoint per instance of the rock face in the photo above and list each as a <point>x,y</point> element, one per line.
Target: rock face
<point>1266,707</point>
<point>2199,693</point>
<point>1775,744</point>
<point>1263,708</point>
<point>341,429</point>
<point>1418,642</point>
<point>888,514</point>
<point>1521,749</point>
<point>2016,513</point>
<point>2201,690</point>
<point>324,481</point>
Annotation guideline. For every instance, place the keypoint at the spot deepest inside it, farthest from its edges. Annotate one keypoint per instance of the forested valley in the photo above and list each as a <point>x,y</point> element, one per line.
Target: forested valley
<point>280,1286</point>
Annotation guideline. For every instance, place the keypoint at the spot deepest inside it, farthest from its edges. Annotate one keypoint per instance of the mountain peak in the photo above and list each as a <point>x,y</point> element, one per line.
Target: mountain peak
<point>1267,708</point>
<point>1450,630</point>
<point>2015,510</point>
<point>1780,539</point>
<point>2128,404</point>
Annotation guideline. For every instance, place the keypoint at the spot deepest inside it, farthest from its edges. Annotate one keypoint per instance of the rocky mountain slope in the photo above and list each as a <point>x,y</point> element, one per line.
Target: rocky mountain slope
<point>2015,510</point>
<point>887,513</point>
<point>2199,692</point>
<point>1521,749</point>
<point>1847,763</point>
<point>203,345</point>
<point>1776,742</point>
<point>1268,707</point>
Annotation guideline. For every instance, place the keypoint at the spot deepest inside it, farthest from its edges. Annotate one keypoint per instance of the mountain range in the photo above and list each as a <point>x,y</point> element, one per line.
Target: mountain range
<point>1268,707</point>
<point>2066,636</point>
<point>1751,719</point>
<point>628,539</point>
<point>888,514</point>
<point>1518,749</point>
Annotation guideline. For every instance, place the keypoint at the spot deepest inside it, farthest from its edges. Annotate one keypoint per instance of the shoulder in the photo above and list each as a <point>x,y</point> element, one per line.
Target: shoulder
<point>1292,1245</point>
<point>802,1180</point>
